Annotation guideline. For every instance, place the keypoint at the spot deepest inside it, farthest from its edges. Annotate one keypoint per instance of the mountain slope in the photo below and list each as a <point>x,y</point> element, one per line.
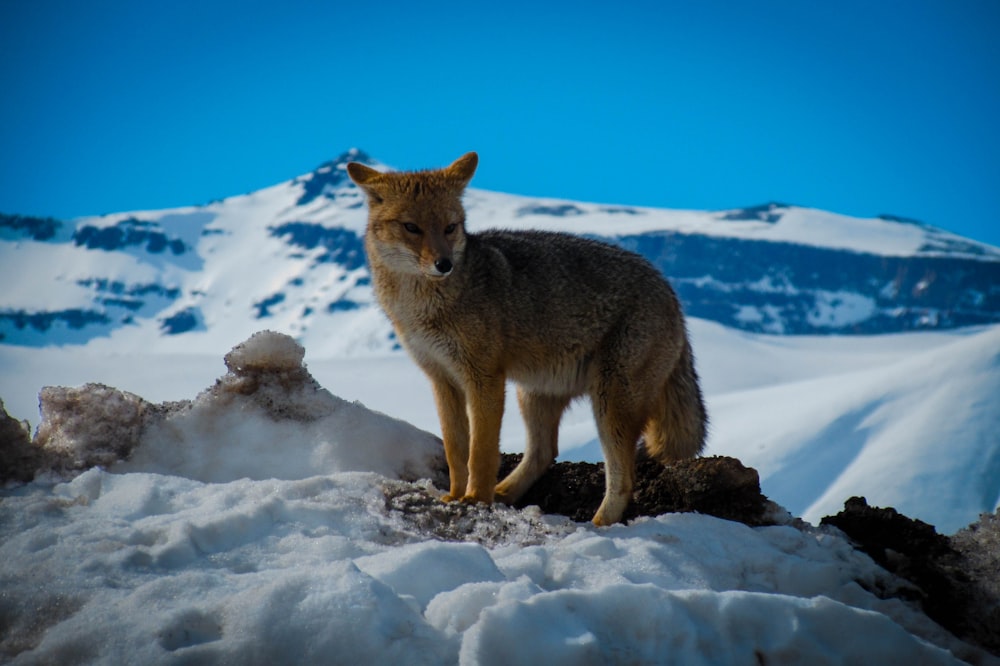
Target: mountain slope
<point>290,257</point>
<point>921,434</point>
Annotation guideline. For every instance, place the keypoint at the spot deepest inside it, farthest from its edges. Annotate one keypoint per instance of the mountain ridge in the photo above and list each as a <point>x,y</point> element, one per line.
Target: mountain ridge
<point>771,268</point>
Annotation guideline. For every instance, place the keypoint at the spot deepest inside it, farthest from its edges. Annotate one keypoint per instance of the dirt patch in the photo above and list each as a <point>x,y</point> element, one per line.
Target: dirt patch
<point>957,577</point>
<point>717,486</point>
<point>18,459</point>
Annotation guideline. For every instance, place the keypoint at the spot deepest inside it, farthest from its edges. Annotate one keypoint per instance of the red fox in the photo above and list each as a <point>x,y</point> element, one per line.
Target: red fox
<point>560,315</point>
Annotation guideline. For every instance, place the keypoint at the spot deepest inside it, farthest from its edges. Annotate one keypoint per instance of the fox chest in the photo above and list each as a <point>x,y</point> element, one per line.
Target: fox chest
<point>426,335</point>
<point>434,349</point>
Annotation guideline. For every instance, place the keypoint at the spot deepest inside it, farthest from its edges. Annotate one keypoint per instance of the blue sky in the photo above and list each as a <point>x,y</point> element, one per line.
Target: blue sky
<point>854,106</point>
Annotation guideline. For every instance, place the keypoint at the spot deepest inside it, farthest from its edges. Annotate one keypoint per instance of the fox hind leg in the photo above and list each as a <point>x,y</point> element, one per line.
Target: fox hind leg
<point>542,414</point>
<point>619,425</point>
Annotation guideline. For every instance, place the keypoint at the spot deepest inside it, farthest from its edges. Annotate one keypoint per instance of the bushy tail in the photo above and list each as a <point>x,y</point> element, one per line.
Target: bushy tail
<point>678,428</point>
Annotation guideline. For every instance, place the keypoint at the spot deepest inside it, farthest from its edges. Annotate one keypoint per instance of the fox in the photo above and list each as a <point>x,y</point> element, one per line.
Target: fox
<point>559,315</point>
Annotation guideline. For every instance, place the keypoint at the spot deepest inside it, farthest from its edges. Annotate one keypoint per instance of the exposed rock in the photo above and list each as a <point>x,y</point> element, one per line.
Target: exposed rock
<point>87,426</point>
<point>18,459</point>
<point>80,428</point>
<point>717,486</point>
<point>959,577</point>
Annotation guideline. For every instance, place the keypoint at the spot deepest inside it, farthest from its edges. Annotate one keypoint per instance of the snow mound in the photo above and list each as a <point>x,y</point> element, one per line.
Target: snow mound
<point>156,569</point>
<point>265,418</point>
<point>266,351</point>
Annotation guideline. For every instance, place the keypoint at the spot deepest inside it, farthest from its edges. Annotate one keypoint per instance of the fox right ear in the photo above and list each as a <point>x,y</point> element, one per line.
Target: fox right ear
<point>364,177</point>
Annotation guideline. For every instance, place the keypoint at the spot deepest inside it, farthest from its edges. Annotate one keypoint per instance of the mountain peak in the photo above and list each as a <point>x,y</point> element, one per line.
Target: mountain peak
<point>769,212</point>
<point>325,178</point>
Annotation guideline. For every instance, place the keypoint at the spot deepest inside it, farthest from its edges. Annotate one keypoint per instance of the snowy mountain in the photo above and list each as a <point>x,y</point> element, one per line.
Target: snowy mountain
<point>290,257</point>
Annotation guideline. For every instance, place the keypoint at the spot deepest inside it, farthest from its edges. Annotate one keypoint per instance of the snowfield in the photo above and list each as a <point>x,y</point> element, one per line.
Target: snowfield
<point>149,568</point>
<point>821,418</point>
<point>205,547</point>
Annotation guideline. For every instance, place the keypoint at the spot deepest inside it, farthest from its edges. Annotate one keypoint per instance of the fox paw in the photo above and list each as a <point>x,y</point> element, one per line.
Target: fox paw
<point>507,493</point>
<point>476,499</point>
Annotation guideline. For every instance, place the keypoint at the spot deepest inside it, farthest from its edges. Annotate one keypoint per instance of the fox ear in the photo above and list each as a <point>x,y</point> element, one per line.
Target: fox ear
<point>360,173</point>
<point>463,168</point>
<point>365,178</point>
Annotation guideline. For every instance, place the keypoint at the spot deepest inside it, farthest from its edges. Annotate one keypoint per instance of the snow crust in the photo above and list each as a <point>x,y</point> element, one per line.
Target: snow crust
<point>155,568</point>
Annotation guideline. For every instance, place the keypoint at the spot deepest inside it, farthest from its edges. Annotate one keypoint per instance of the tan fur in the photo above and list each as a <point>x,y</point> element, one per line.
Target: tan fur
<point>560,315</point>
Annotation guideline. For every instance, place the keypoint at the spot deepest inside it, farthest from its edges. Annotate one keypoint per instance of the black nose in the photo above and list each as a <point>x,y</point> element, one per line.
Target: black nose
<point>443,265</point>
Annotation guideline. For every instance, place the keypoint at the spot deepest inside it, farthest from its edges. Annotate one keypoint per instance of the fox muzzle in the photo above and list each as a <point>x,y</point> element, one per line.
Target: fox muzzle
<point>443,266</point>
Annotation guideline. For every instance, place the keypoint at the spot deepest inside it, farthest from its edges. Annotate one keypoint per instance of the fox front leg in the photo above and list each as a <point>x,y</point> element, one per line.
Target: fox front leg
<point>485,404</point>
<point>455,432</point>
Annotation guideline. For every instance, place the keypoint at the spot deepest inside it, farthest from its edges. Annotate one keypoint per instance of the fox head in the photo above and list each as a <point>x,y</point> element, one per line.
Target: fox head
<point>416,222</point>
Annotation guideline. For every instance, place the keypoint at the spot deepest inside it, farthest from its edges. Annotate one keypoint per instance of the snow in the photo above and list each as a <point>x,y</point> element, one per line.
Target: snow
<point>888,432</point>
<point>269,520</point>
<point>48,263</point>
<point>150,568</point>
<point>227,236</point>
<point>805,226</point>
<point>267,418</point>
<point>821,418</point>
<point>838,309</point>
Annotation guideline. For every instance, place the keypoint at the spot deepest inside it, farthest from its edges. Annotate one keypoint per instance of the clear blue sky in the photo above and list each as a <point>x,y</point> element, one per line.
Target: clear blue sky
<point>856,106</point>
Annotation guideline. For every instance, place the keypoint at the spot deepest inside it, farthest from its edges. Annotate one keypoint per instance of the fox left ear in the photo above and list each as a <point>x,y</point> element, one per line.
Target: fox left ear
<point>463,168</point>
<point>364,177</point>
<point>360,173</point>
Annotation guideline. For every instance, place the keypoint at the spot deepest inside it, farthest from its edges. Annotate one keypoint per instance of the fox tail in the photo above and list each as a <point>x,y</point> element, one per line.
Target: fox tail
<point>679,425</point>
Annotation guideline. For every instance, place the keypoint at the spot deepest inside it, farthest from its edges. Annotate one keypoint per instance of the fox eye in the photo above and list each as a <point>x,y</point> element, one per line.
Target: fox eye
<point>412,228</point>
<point>450,229</point>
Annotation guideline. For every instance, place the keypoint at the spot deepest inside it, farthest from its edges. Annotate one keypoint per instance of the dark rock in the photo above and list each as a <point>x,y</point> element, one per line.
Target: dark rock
<point>18,458</point>
<point>36,228</point>
<point>327,177</point>
<point>957,576</point>
<point>770,212</point>
<point>186,320</point>
<point>130,232</point>
<point>342,246</point>
<point>717,486</point>
<point>557,210</point>
<point>771,286</point>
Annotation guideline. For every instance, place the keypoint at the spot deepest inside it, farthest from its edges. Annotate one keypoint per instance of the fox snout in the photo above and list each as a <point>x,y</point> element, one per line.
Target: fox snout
<point>440,251</point>
<point>443,265</point>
